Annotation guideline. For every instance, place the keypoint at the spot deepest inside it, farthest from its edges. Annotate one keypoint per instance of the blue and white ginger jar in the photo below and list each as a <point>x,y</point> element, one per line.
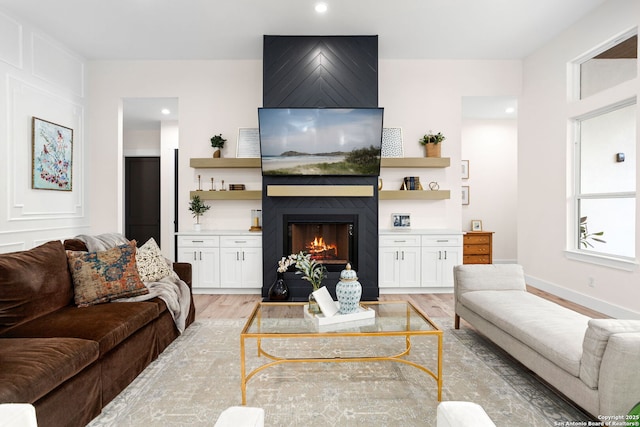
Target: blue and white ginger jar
<point>348,291</point>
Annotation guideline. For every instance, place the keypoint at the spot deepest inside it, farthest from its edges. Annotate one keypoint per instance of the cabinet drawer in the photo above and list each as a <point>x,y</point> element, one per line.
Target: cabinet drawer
<point>471,239</point>
<point>476,259</point>
<point>395,241</point>
<point>476,249</point>
<point>441,240</point>
<point>197,241</point>
<point>241,241</point>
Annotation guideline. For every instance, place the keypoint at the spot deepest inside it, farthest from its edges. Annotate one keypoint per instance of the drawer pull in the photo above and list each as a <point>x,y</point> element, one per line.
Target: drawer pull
<point>240,241</point>
<point>442,240</point>
<point>197,241</point>
<point>399,241</point>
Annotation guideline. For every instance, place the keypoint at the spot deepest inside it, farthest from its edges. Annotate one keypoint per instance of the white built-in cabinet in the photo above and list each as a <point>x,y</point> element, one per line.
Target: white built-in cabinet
<point>221,260</point>
<point>241,261</point>
<point>418,259</point>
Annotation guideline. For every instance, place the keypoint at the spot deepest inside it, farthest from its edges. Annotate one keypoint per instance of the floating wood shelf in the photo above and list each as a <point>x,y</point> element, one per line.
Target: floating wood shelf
<point>320,190</point>
<point>414,195</point>
<point>211,162</point>
<point>415,162</point>
<point>228,195</point>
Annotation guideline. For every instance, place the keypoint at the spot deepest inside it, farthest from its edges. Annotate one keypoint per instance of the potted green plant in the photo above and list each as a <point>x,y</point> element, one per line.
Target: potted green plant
<point>585,235</point>
<point>217,142</point>
<point>197,208</point>
<point>431,142</point>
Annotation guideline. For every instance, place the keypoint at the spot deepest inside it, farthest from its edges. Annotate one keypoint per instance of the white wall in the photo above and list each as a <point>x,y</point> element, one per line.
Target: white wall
<point>40,78</point>
<point>544,177</point>
<point>491,146</point>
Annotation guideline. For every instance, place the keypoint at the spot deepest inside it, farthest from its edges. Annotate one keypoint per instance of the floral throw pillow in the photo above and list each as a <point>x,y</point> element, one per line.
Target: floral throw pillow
<point>103,276</point>
<point>151,264</point>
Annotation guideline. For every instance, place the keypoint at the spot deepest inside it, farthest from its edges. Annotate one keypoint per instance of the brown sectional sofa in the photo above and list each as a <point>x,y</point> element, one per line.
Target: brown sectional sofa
<point>69,362</point>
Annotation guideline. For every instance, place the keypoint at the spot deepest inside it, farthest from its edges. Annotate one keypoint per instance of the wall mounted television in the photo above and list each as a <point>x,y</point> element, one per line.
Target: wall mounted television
<point>320,141</point>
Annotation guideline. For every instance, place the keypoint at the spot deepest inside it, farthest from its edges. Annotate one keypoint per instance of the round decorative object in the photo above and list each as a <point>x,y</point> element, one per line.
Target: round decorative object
<point>434,185</point>
<point>279,291</point>
<point>348,291</point>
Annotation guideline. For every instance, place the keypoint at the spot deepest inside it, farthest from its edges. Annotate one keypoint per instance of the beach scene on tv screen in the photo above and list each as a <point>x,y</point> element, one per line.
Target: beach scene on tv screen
<point>320,141</point>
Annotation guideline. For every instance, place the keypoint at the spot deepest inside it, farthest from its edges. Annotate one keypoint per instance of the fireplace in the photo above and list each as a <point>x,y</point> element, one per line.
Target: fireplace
<point>292,224</point>
<point>329,239</point>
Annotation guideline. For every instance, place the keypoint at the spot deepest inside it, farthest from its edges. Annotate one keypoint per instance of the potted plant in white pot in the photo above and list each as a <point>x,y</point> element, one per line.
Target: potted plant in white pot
<point>217,142</point>
<point>431,142</point>
<point>197,208</point>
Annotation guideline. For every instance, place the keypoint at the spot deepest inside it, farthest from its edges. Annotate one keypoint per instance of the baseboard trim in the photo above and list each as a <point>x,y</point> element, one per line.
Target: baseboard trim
<point>584,300</point>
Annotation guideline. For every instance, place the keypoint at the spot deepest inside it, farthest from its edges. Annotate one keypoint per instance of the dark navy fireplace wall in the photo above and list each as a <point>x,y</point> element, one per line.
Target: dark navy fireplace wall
<point>273,233</point>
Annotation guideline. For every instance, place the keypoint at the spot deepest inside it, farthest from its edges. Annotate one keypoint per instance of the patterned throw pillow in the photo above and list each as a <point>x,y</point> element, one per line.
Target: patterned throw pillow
<point>151,264</point>
<point>105,275</point>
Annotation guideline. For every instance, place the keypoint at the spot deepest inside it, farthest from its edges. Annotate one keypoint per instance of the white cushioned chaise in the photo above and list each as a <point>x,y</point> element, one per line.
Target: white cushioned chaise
<point>594,362</point>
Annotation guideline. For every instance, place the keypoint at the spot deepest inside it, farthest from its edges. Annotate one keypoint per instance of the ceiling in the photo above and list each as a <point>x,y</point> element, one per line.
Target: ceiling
<point>217,29</point>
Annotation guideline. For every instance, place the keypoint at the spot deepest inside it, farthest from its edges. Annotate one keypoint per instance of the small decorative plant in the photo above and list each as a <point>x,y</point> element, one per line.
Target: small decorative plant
<point>197,208</point>
<point>217,142</point>
<point>311,270</point>
<point>585,235</point>
<point>432,138</point>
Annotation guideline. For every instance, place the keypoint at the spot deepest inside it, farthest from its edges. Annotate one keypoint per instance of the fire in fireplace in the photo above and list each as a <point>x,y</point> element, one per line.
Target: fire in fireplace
<point>328,242</point>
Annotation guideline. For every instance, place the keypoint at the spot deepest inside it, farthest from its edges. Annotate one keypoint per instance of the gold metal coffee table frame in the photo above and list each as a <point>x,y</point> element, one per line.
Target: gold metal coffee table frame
<point>415,323</point>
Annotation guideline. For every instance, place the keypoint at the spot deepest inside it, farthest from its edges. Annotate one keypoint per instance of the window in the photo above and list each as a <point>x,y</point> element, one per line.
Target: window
<point>603,214</point>
<point>615,65</point>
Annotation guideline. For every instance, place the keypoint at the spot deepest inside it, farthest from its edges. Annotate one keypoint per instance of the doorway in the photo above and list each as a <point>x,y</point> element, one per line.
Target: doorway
<point>142,198</point>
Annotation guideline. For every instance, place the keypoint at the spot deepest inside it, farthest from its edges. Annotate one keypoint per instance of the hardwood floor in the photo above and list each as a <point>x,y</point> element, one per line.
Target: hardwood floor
<point>435,305</point>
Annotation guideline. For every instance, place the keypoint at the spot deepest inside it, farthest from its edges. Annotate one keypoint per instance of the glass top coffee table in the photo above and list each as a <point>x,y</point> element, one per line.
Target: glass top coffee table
<point>280,321</point>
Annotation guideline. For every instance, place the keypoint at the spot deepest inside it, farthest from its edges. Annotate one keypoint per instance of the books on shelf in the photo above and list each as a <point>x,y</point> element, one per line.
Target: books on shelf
<point>411,183</point>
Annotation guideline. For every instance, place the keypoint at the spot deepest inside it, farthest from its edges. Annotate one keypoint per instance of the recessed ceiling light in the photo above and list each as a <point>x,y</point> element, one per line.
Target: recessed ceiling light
<point>321,7</point>
<point>510,110</point>
<point>165,111</point>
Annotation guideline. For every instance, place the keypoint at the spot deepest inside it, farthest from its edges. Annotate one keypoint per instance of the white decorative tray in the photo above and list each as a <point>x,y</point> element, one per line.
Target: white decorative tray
<point>320,319</point>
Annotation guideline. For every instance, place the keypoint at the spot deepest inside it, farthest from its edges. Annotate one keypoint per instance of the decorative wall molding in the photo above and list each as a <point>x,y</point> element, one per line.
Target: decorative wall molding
<point>11,46</point>
<point>56,65</point>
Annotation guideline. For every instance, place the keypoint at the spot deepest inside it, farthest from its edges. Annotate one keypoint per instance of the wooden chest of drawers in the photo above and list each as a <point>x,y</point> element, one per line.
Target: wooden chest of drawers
<point>477,247</point>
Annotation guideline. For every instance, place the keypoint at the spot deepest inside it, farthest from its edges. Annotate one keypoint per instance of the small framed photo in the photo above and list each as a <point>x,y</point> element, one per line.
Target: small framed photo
<point>401,221</point>
<point>465,169</point>
<point>465,194</point>
<point>476,225</point>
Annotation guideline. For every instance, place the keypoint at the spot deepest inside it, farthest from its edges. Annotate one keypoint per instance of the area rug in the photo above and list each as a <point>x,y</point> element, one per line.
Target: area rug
<point>198,376</point>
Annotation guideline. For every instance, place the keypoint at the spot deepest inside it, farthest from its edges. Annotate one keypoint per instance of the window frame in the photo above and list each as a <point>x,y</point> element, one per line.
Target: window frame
<point>610,99</point>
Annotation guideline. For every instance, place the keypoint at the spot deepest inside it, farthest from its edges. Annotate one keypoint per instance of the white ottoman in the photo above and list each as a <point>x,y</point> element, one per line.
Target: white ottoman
<point>241,416</point>
<point>462,414</point>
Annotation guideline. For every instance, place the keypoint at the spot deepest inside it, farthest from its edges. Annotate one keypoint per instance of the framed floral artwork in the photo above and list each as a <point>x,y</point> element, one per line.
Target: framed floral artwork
<point>52,153</point>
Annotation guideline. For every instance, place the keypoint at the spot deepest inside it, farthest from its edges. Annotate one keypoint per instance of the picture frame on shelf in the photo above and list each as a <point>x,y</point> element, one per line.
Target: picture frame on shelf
<point>51,156</point>
<point>401,221</point>
<point>248,145</point>
<point>392,145</point>
<point>465,169</point>
<point>465,194</point>
<point>476,225</point>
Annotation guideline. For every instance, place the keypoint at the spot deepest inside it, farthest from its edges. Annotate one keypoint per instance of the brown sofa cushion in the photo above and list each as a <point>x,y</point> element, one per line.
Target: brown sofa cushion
<point>104,276</point>
<point>33,283</point>
<point>31,368</point>
<point>107,324</point>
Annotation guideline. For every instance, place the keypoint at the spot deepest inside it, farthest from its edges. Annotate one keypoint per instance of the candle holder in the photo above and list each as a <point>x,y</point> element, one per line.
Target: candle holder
<point>256,220</point>
<point>213,187</point>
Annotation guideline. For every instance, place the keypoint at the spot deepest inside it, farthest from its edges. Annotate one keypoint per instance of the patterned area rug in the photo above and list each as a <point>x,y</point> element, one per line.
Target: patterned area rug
<point>198,376</point>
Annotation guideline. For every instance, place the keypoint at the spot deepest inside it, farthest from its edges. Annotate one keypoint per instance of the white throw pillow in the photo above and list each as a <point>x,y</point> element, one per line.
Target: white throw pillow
<point>151,264</point>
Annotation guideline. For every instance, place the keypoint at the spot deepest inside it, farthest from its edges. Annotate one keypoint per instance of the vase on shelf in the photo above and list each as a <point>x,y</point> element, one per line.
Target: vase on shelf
<point>432,150</point>
<point>279,291</point>
<point>197,227</point>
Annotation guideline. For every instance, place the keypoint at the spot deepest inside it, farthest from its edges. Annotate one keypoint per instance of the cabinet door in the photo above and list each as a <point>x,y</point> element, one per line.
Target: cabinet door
<point>190,255</point>
<point>388,275</point>
<point>451,258</point>
<point>230,267</point>
<point>251,267</point>
<point>209,267</point>
<point>409,267</point>
<point>430,266</point>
